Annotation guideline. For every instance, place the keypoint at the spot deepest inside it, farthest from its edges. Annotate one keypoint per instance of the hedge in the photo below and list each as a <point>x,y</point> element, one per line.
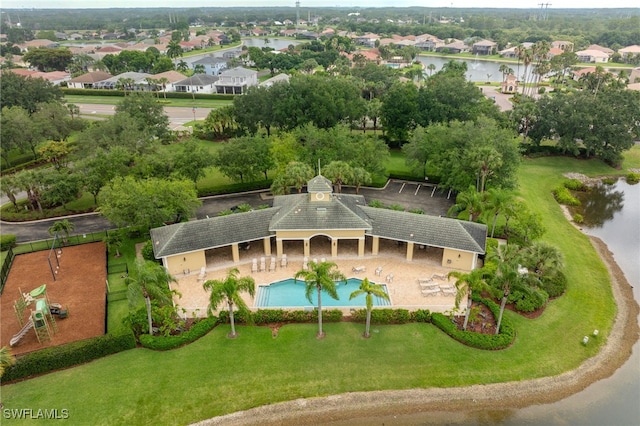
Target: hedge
<point>161,343</point>
<point>270,316</point>
<point>169,95</point>
<point>69,355</point>
<point>233,188</point>
<point>7,241</point>
<point>392,316</point>
<point>478,340</point>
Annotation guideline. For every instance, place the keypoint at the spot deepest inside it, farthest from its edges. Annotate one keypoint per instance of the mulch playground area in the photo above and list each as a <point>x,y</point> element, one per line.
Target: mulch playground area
<point>79,287</point>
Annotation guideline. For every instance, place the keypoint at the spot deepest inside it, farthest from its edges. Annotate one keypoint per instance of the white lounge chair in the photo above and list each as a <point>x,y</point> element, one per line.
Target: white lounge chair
<point>431,292</point>
<point>254,265</point>
<point>358,269</point>
<point>263,264</point>
<point>390,278</point>
<point>203,273</point>
<point>379,271</point>
<point>424,280</point>
<point>283,261</point>
<point>428,286</point>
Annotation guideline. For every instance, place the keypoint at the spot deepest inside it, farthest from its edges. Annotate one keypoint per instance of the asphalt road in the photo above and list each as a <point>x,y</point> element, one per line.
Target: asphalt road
<point>407,194</point>
<point>177,115</point>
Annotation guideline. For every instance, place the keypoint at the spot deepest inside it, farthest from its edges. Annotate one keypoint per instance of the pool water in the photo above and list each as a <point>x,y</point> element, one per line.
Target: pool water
<point>291,294</point>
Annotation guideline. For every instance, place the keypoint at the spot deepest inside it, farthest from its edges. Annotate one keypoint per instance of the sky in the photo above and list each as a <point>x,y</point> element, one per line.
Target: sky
<point>531,4</point>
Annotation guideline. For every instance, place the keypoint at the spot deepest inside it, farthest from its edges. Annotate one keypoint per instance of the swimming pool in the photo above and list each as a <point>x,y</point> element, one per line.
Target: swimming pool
<point>291,294</point>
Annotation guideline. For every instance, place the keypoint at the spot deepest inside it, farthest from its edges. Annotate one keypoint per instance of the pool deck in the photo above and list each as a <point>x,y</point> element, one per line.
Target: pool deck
<point>404,289</point>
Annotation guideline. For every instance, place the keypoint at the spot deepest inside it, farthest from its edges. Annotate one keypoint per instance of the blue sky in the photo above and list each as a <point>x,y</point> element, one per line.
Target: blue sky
<point>73,4</point>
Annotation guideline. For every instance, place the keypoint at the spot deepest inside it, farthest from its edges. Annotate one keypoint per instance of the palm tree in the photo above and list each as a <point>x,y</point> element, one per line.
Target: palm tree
<point>359,177</point>
<point>174,50</point>
<point>163,83</point>
<point>371,289</point>
<point>297,174</point>
<point>431,68</point>
<point>6,359</point>
<point>228,290</point>
<point>507,275</point>
<point>9,187</point>
<point>62,226</point>
<point>466,283</point>
<point>113,240</point>
<point>150,280</point>
<point>321,276</point>
<point>543,259</point>
<point>470,201</point>
<point>339,172</point>
<point>125,83</point>
<point>497,199</point>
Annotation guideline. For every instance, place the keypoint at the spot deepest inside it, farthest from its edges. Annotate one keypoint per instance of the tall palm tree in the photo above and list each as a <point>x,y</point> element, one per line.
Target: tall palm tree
<point>174,50</point>
<point>339,172</point>
<point>149,280</point>
<point>496,200</point>
<point>6,359</point>
<point>228,290</point>
<point>114,240</point>
<point>431,68</point>
<point>321,276</point>
<point>469,201</point>
<point>370,289</point>
<point>297,174</point>
<point>503,69</point>
<point>508,258</point>
<point>466,283</point>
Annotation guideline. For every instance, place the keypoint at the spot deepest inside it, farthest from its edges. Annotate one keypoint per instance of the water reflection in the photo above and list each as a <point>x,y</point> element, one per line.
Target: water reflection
<point>600,204</point>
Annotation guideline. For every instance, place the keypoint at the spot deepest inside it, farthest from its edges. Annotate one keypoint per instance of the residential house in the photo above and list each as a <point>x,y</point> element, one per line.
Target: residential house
<point>88,80</point>
<point>171,78</point>
<point>231,54</point>
<point>513,51</point>
<point>634,77</point>
<point>282,77</point>
<point>139,81</point>
<point>37,43</point>
<point>235,81</point>
<point>212,65</point>
<point>592,56</point>
<point>198,83</point>
<point>456,46</point>
<point>484,47</point>
<point>563,45</point>
<point>368,39</point>
<point>510,84</point>
<point>54,77</point>
<point>629,51</point>
<point>606,50</point>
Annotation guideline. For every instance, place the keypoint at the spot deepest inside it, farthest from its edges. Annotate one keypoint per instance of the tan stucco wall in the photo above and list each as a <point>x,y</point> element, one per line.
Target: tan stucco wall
<point>181,262</point>
<point>458,259</point>
<point>336,233</point>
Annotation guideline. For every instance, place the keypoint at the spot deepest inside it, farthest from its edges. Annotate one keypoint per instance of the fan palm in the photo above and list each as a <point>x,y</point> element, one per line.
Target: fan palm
<point>6,359</point>
<point>62,226</point>
<point>321,276</point>
<point>149,280</point>
<point>228,290</point>
<point>466,283</point>
<point>370,289</point>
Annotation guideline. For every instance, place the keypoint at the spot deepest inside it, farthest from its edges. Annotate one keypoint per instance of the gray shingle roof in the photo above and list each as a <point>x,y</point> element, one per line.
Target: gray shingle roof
<point>210,233</point>
<point>298,212</point>
<point>210,60</point>
<point>319,184</point>
<point>428,230</point>
<point>198,80</point>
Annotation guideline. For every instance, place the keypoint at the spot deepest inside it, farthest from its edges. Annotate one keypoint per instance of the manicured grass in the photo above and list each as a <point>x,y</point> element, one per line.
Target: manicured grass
<point>216,375</point>
<point>172,102</point>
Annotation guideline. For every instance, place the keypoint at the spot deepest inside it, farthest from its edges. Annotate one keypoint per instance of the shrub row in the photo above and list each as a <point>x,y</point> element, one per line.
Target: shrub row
<point>7,241</point>
<point>563,196</point>
<point>121,93</point>
<point>162,343</point>
<point>478,340</point>
<point>269,316</point>
<point>234,187</point>
<point>69,355</point>
<point>392,316</point>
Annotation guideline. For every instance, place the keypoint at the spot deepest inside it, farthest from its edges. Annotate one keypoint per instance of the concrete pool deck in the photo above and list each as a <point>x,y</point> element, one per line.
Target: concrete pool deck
<point>404,290</point>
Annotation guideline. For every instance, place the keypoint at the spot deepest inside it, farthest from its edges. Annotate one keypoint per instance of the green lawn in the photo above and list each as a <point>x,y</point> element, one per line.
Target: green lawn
<point>171,102</point>
<point>215,375</point>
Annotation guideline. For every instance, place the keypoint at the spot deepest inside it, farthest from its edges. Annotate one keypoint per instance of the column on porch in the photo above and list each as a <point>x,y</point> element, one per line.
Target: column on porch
<point>279,248</point>
<point>409,251</point>
<point>307,248</point>
<point>235,252</point>
<point>267,246</point>
<point>334,247</point>
<point>361,247</point>
<point>375,247</point>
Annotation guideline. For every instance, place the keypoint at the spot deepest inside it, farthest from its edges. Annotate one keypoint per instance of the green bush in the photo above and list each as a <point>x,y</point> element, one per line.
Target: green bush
<point>578,218</point>
<point>421,315</point>
<point>633,178</point>
<point>269,316</point>
<point>478,340</point>
<point>7,241</point>
<point>554,285</point>
<point>383,316</point>
<point>563,196</point>
<point>147,251</point>
<point>575,185</point>
<point>69,355</point>
<point>234,187</point>
<point>163,343</point>
<point>609,181</point>
<point>377,204</point>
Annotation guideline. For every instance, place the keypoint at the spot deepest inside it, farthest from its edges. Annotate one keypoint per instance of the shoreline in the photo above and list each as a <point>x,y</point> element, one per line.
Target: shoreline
<point>498,396</point>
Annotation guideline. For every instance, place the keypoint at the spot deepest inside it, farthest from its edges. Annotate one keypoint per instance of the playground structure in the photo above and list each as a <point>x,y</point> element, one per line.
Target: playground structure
<point>41,319</point>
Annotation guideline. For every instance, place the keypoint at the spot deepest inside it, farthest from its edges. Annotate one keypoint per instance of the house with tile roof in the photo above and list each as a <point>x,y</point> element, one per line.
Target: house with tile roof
<point>592,56</point>
<point>306,222</point>
<point>484,47</point>
<point>88,80</point>
<point>629,51</point>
